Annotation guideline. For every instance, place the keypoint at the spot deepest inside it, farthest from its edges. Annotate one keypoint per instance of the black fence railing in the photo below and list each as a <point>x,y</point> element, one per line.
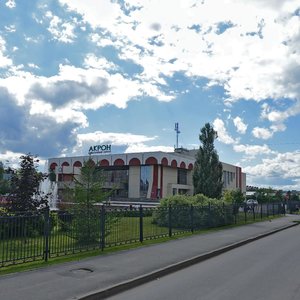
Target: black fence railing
<point>45,235</point>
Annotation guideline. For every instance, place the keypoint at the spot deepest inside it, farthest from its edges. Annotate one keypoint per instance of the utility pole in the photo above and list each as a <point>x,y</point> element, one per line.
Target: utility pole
<point>177,133</point>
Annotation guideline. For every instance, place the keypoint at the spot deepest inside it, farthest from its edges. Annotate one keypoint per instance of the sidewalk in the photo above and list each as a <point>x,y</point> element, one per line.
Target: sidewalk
<point>97,277</point>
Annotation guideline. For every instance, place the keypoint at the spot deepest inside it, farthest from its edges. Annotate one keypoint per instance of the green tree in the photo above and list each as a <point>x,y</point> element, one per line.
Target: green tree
<point>25,195</point>
<point>207,177</point>
<point>88,191</point>
<point>233,196</point>
<point>279,195</point>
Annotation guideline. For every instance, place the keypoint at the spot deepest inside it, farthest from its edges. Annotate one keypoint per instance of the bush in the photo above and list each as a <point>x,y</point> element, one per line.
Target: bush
<point>206,212</point>
<point>180,213</point>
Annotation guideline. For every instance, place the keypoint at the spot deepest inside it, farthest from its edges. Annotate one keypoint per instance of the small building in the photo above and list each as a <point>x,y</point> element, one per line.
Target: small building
<point>147,175</point>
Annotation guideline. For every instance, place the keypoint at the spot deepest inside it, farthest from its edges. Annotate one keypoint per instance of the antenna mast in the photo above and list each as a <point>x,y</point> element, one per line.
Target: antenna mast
<point>177,133</point>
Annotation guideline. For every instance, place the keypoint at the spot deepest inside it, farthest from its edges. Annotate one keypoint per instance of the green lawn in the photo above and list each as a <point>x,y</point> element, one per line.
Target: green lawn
<point>123,230</point>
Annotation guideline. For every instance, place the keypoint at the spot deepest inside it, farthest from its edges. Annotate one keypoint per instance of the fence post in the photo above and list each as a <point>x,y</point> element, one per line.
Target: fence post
<point>261,211</point>
<point>46,233</point>
<point>273,209</point>
<point>268,210</point>
<point>141,224</point>
<point>209,215</point>
<point>245,211</point>
<point>224,213</point>
<point>253,211</point>
<point>102,228</point>
<point>170,220</point>
<point>192,218</point>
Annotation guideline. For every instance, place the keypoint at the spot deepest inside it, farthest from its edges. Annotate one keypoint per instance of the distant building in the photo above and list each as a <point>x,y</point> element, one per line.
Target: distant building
<point>148,175</point>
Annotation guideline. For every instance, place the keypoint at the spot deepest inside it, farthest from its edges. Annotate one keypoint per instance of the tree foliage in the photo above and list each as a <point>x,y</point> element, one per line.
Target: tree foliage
<point>233,196</point>
<point>88,191</point>
<point>207,177</point>
<point>89,186</point>
<point>4,183</point>
<point>25,195</point>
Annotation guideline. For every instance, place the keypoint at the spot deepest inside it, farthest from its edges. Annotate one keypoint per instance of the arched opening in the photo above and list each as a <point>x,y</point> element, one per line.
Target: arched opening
<point>134,162</point>
<point>151,161</point>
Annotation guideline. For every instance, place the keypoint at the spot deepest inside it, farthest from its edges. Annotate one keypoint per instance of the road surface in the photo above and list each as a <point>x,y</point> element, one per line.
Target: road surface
<point>265,269</point>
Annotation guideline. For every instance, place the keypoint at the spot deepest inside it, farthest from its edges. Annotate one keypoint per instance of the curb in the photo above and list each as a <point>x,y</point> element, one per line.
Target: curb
<point>131,283</point>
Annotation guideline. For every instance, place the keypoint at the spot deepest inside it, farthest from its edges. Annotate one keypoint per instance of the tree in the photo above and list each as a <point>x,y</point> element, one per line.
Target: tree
<point>25,195</point>
<point>89,186</point>
<point>88,191</point>
<point>234,196</point>
<point>4,183</point>
<point>207,177</point>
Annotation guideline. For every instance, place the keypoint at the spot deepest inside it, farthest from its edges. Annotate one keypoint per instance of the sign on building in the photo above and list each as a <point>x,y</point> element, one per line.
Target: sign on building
<point>100,149</point>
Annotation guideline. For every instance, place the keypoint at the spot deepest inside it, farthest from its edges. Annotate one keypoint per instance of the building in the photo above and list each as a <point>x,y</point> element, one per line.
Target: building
<point>148,175</point>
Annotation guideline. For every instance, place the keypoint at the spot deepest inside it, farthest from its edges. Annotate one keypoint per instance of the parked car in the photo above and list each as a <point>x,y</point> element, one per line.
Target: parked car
<point>251,202</point>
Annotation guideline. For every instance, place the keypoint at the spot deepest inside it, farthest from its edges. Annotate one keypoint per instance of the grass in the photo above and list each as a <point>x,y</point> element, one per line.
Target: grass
<point>124,235</point>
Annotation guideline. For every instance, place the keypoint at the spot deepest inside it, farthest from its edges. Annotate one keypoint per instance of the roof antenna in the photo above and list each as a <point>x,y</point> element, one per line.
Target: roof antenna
<point>177,133</point>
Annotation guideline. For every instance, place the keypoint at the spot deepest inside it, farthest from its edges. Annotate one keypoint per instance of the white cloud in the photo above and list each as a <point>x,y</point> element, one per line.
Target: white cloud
<point>98,13</point>
<point>252,150</point>
<point>249,58</point>
<point>61,31</point>
<point>4,60</point>
<point>283,165</point>
<point>118,139</point>
<point>223,135</point>
<point>10,3</point>
<point>240,125</point>
<point>10,159</point>
<point>92,61</point>
<point>262,133</point>
<point>132,142</point>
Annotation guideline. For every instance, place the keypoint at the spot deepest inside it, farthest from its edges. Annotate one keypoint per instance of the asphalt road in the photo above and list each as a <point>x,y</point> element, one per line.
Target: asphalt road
<point>265,269</point>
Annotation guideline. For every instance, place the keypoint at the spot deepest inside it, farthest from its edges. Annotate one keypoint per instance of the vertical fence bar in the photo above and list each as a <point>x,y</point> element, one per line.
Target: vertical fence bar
<point>245,211</point>
<point>273,208</point>
<point>235,211</point>
<point>261,211</point>
<point>170,220</point>
<point>268,210</point>
<point>253,211</point>
<point>141,224</point>
<point>192,218</point>
<point>46,234</point>
<point>102,229</point>
<point>209,215</point>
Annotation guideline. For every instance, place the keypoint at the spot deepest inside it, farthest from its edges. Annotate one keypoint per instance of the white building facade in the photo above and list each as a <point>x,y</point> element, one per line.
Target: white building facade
<point>148,175</point>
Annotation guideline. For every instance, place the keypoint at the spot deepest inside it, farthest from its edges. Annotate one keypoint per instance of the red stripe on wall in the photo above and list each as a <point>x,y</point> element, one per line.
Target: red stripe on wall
<point>154,182</point>
<point>161,181</point>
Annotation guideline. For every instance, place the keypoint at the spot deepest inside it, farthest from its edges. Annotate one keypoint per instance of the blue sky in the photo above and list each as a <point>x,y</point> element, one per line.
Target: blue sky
<point>77,73</point>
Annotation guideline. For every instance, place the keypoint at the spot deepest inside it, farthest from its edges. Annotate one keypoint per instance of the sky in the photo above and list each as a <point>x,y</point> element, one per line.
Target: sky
<point>78,73</point>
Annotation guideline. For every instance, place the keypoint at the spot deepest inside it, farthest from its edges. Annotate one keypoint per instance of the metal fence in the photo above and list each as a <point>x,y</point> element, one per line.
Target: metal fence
<point>45,235</point>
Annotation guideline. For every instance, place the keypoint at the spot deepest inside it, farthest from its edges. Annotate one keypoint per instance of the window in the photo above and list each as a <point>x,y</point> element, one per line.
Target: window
<point>144,180</point>
<point>182,176</point>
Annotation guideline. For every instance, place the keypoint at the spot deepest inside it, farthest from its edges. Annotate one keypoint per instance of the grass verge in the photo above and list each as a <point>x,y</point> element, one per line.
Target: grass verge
<point>88,254</point>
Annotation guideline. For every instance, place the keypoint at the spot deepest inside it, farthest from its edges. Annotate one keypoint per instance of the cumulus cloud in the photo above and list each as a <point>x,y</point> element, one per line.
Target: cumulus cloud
<point>223,135</point>
<point>10,4</point>
<point>262,133</point>
<point>112,137</point>
<point>61,31</point>
<point>252,150</point>
<point>130,142</point>
<point>37,134</point>
<point>254,56</point>
<point>4,60</point>
<point>282,165</point>
<point>240,125</point>
<point>62,92</point>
